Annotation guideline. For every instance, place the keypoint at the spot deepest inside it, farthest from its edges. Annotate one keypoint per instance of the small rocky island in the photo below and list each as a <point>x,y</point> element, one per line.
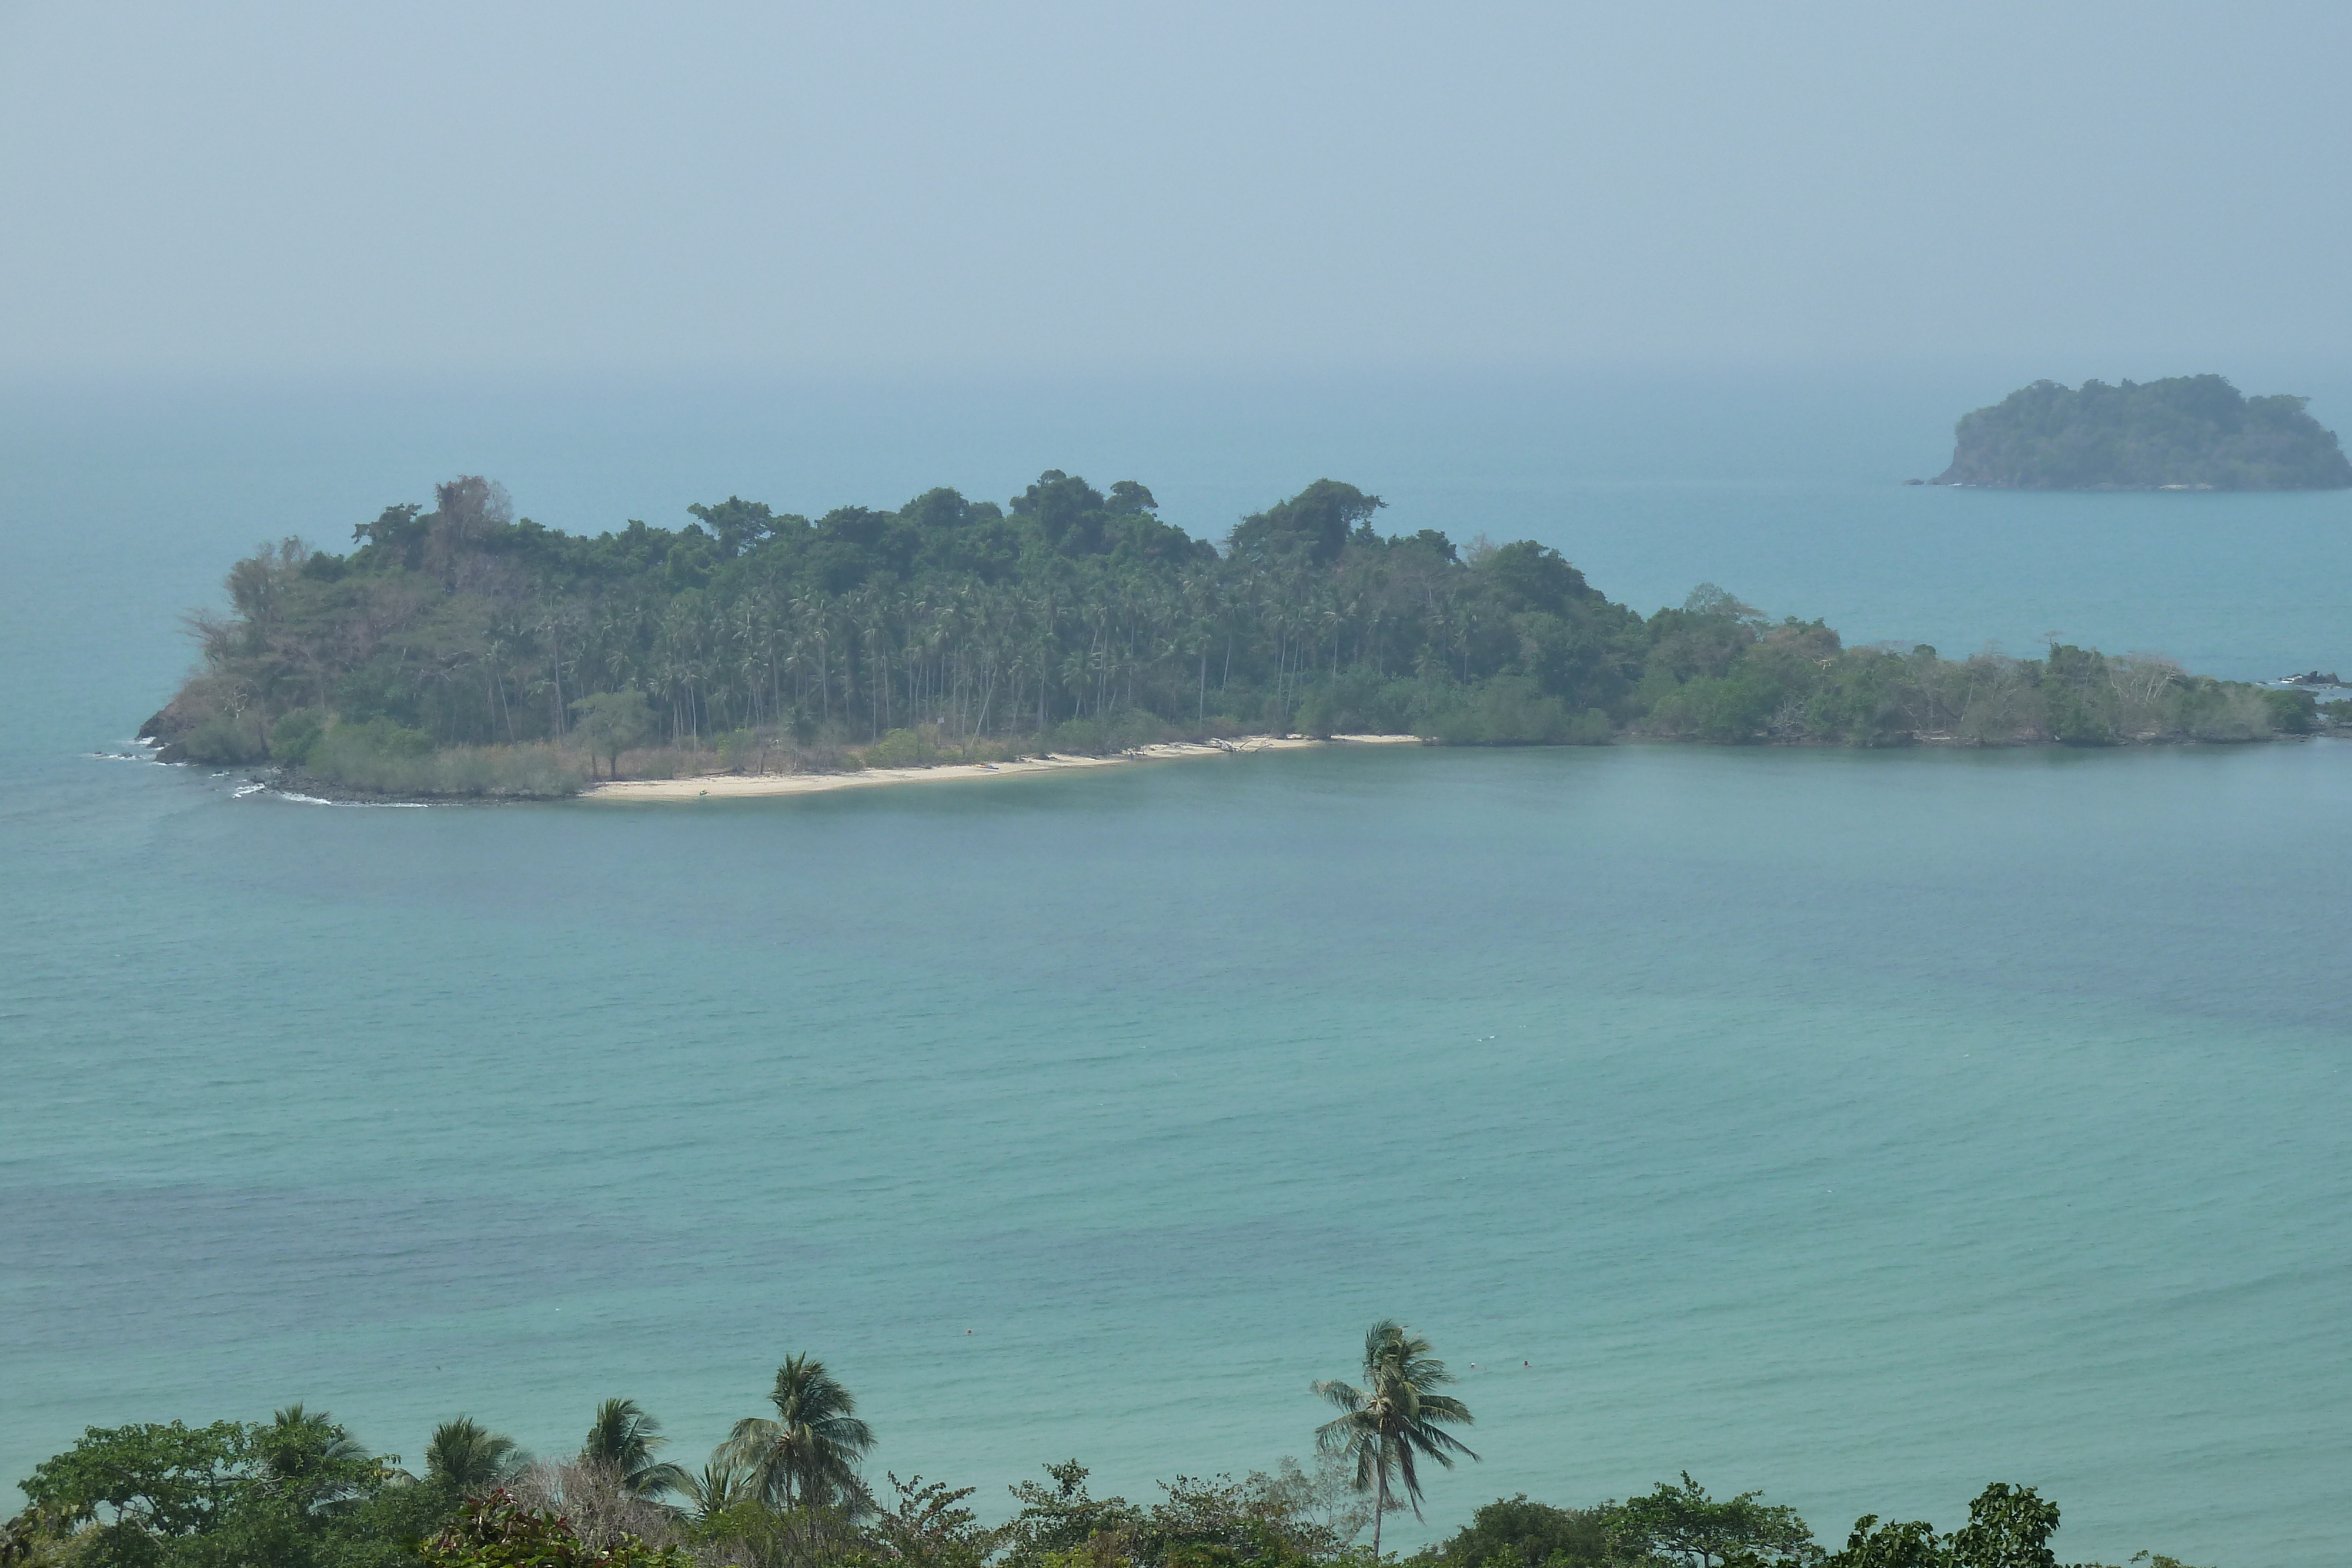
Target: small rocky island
<point>2184,433</point>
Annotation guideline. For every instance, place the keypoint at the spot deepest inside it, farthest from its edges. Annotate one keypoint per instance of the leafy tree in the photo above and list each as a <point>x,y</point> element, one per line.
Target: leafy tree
<point>1316,524</point>
<point>1513,1533</point>
<point>808,1453</point>
<point>230,1495</point>
<point>1529,576</point>
<point>2008,1527</point>
<point>143,1486</point>
<point>736,523</point>
<point>25,1537</point>
<point>1262,1520</point>
<point>384,1528</point>
<point>614,722</point>
<point>1063,1518</point>
<point>493,1531</point>
<point>1914,1544</point>
<point>2293,713</point>
<point>1683,1525</point>
<point>929,1527</point>
<point>752,1534</point>
<point>1394,1419</point>
<point>295,733</point>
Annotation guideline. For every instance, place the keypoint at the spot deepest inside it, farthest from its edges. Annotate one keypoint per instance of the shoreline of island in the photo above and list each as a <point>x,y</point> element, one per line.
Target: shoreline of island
<point>1068,624</point>
<point>750,786</point>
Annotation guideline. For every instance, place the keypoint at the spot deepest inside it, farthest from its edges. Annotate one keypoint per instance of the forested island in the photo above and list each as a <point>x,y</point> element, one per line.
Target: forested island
<point>789,1490</point>
<point>2183,432</point>
<point>460,652</point>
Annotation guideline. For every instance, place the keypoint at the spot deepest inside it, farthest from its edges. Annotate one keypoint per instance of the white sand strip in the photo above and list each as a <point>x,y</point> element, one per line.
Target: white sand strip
<point>735,786</point>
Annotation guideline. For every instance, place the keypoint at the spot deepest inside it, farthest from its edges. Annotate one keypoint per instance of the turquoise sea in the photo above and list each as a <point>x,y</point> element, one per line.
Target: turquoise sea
<point>1863,1128</point>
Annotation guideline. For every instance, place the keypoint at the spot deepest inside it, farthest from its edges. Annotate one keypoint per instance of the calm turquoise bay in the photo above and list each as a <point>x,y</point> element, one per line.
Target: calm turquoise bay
<point>1859,1127</point>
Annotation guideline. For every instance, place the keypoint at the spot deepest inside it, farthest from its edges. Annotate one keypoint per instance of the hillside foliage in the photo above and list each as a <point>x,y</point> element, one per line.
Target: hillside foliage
<point>461,652</point>
<point>301,1494</point>
<point>2181,433</point>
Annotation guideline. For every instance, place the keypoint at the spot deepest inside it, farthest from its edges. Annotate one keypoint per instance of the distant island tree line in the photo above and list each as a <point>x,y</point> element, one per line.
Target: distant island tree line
<point>789,1491</point>
<point>2183,432</point>
<point>458,650</point>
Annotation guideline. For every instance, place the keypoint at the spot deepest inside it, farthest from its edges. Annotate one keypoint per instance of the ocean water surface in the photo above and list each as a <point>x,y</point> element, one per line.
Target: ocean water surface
<point>1863,1128</point>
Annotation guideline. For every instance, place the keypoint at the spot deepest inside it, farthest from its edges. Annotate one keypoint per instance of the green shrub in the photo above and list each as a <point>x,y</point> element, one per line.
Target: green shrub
<point>1733,707</point>
<point>294,734</point>
<point>2210,710</point>
<point>2074,719</point>
<point>735,747</point>
<point>899,748</point>
<point>224,740</point>
<point>1513,1533</point>
<point>2293,713</point>
<point>380,757</point>
<point>495,1532</point>
<point>1591,727</point>
<point>1515,712</point>
<point>1360,703</point>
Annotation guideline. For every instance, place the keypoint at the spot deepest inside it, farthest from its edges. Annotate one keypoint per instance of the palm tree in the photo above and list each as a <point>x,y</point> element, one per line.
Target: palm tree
<point>809,1454</point>
<point>313,1456</point>
<point>718,1488</point>
<point>469,1457</point>
<point>621,1441</point>
<point>1394,1419</point>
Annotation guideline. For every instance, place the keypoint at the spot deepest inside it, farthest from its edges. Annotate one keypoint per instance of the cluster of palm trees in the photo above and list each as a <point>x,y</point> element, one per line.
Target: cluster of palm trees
<point>503,657</point>
<point>965,654</point>
<point>806,1456</point>
<point>980,657</point>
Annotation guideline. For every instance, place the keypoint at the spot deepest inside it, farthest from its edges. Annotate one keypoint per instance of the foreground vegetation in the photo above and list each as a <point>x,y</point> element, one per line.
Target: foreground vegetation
<point>458,651</point>
<point>787,1490</point>
<point>2186,433</point>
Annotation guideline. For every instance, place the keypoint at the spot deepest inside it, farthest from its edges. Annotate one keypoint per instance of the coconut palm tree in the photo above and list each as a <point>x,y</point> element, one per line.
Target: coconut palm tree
<point>313,1458</point>
<point>621,1441</point>
<point>469,1457</point>
<point>720,1486</point>
<point>1394,1419</point>
<point>809,1454</point>
<point>306,1439</point>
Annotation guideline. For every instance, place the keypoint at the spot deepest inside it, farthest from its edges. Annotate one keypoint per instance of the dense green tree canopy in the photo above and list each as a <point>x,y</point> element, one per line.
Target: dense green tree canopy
<point>460,650</point>
<point>1514,1532</point>
<point>2181,433</point>
<point>297,1491</point>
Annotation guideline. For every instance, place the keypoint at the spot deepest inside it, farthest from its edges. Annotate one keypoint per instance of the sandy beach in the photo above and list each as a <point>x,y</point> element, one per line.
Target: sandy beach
<point>733,785</point>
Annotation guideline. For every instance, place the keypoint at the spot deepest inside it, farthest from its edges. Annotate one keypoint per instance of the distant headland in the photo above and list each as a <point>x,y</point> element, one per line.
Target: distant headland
<point>461,652</point>
<point>2184,433</point>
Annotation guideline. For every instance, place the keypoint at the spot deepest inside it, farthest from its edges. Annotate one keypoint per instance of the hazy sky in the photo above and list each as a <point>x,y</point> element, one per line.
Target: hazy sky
<point>238,188</point>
